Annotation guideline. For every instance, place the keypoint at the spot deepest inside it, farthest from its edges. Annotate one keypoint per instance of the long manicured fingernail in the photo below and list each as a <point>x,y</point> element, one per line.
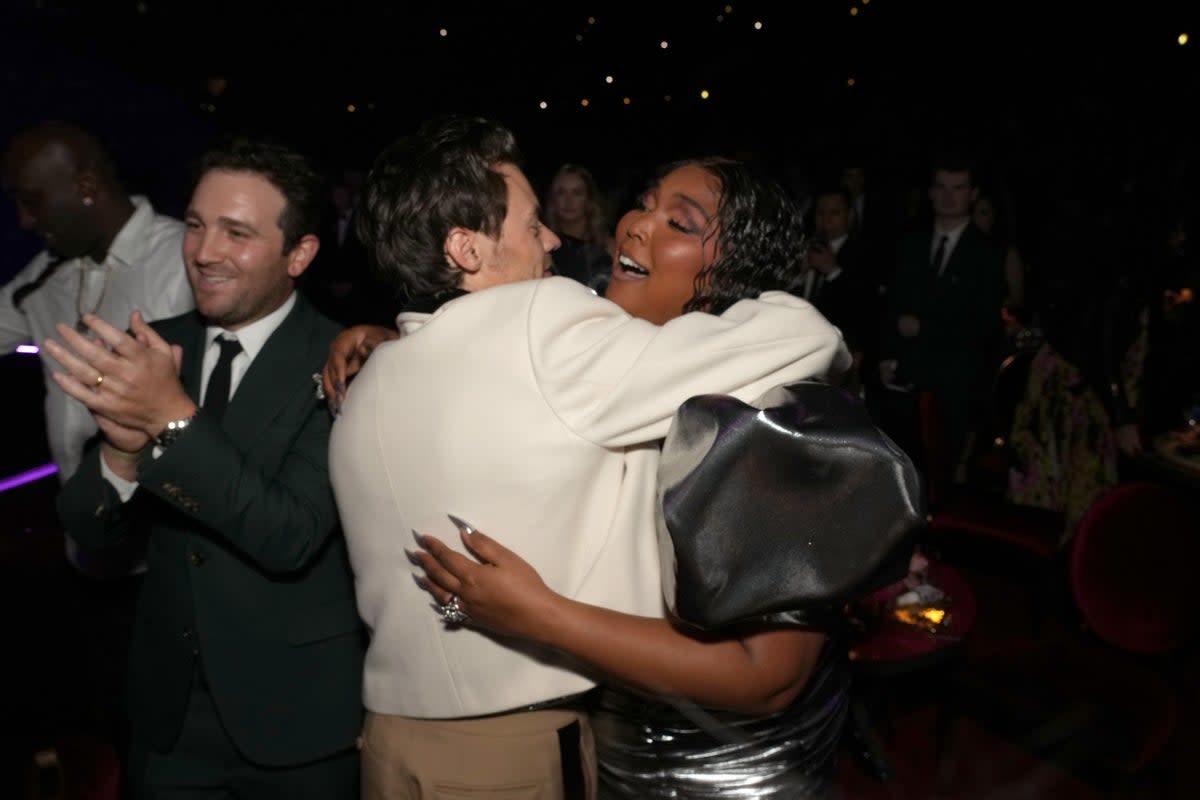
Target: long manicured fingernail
<point>418,538</point>
<point>465,527</point>
<point>411,556</point>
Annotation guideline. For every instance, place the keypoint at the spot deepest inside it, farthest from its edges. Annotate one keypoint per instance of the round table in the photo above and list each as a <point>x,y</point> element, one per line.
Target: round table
<point>889,649</point>
<point>1175,458</point>
<point>890,646</point>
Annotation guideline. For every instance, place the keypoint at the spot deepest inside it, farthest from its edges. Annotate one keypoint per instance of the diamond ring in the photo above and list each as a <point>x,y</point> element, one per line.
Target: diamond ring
<point>452,613</point>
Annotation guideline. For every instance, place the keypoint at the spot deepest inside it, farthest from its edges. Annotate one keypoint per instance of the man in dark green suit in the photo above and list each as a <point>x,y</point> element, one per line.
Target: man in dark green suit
<point>246,662</point>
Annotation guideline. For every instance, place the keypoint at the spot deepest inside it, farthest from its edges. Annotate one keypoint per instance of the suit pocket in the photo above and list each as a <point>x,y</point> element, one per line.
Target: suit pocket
<point>324,622</point>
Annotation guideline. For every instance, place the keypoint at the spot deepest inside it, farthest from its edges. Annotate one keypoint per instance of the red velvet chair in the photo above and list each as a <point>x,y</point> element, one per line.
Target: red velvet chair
<point>1104,702</point>
<point>1137,592</point>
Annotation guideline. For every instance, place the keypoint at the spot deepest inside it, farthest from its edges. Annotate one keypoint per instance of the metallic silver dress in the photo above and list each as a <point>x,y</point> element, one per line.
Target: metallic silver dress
<point>779,511</point>
<point>648,749</point>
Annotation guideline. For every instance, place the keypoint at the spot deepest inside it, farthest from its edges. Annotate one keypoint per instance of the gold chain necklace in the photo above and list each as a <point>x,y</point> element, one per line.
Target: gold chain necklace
<point>80,325</point>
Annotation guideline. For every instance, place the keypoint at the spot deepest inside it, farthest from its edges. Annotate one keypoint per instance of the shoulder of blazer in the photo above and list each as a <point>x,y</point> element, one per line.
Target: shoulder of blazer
<point>321,328</point>
<point>913,247</point>
<point>853,253</point>
<point>975,244</point>
<point>973,237</point>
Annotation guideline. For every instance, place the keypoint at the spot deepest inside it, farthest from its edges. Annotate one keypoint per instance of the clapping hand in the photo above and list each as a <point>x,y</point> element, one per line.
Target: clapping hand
<point>129,381</point>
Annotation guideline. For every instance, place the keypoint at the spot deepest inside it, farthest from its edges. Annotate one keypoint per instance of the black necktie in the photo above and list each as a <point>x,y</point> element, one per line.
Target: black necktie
<point>940,256</point>
<point>216,398</point>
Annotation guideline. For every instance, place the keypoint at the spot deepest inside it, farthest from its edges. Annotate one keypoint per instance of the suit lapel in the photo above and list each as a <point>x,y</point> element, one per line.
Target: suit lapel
<point>272,377</point>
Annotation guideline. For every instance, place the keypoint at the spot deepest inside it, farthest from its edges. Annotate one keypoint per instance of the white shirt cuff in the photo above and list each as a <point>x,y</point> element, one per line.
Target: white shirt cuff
<point>125,489</point>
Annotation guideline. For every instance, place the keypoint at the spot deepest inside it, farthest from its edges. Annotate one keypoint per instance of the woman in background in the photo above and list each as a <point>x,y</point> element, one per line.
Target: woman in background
<point>574,211</point>
<point>996,225</point>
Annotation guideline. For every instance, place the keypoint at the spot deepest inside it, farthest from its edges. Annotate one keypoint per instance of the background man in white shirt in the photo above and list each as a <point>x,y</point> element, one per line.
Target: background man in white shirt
<point>106,253</point>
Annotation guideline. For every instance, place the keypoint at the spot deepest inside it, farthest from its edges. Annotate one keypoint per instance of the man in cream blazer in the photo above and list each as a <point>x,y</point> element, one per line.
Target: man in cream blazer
<point>532,407</point>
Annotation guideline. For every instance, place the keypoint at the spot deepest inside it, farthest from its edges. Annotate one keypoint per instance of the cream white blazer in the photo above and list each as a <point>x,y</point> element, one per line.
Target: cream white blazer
<point>533,411</point>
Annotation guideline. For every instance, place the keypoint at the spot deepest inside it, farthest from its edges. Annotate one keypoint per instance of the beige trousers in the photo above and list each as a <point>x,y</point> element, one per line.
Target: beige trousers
<point>531,755</point>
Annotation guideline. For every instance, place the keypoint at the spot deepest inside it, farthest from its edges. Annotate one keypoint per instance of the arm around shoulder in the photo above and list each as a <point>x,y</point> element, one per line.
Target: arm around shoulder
<point>618,381</point>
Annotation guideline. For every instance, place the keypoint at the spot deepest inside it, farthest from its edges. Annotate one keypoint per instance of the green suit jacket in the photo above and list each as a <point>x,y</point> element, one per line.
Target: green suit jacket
<point>246,564</point>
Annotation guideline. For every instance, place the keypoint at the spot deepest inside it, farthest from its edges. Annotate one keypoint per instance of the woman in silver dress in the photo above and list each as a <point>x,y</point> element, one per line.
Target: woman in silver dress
<point>753,711</point>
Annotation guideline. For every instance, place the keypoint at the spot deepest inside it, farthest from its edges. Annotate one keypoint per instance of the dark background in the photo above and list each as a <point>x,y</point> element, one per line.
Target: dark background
<point>1082,115</point>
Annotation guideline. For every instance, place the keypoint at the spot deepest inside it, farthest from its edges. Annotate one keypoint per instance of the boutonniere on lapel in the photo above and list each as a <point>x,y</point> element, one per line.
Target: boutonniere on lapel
<point>320,390</point>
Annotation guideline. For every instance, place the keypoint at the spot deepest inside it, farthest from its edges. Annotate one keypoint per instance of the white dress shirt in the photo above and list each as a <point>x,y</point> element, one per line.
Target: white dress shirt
<point>144,270</point>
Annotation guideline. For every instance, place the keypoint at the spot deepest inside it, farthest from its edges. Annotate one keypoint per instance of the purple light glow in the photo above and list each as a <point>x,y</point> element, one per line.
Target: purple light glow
<point>30,476</point>
<point>28,349</point>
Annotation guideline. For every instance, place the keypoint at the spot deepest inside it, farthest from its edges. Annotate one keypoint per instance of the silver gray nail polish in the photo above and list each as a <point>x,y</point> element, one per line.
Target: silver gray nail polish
<point>464,526</point>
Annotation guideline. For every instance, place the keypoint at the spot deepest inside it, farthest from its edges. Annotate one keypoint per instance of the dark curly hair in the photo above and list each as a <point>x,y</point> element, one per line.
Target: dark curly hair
<point>286,169</point>
<point>760,237</point>
<point>423,186</point>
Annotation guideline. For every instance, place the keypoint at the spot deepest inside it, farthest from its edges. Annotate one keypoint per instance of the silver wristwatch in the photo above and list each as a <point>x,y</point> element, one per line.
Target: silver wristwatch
<point>174,429</point>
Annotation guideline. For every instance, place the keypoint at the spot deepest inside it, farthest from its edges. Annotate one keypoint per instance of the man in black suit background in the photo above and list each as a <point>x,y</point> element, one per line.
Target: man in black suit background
<point>246,662</point>
<point>833,275</point>
<point>943,318</point>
